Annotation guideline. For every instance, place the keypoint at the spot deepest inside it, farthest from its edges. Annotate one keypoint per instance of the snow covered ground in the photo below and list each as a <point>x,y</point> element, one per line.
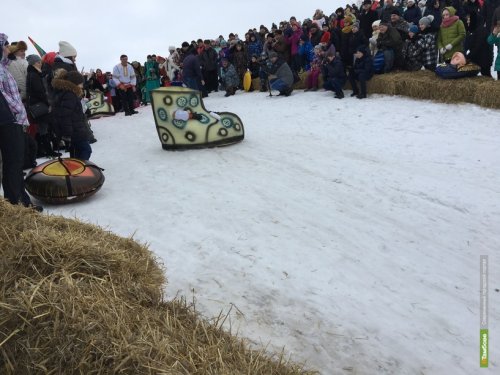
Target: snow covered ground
<point>348,231</point>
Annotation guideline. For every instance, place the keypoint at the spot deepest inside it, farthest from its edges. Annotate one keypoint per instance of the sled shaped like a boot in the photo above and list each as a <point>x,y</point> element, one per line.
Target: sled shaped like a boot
<point>203,128</point>
<point>98,106</point>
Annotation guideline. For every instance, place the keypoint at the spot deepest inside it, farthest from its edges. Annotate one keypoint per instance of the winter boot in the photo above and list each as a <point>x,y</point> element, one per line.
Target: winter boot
<point>208,130</point>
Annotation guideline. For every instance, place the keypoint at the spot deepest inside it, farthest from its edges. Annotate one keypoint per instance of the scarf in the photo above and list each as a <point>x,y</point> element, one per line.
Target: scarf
<point>449,21</point>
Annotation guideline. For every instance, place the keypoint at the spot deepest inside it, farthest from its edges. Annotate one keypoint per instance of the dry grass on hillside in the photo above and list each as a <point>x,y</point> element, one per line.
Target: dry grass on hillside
<point>75,299</point>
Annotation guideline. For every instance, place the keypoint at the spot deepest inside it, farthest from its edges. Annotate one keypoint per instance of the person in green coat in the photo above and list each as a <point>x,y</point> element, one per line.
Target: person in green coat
<point>494,39</point>
<point>451,34</point>
<point>152,73</point>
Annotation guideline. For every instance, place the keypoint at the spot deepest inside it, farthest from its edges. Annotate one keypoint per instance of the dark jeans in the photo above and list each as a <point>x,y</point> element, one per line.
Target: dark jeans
<point>334,84</point>
<point>361,78</point>
<point>12,148</point>
<point>127,99</point>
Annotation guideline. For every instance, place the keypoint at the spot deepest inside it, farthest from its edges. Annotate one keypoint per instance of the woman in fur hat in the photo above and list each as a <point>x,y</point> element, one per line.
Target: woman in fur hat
<point>19,66</point>
<point>72,126</point>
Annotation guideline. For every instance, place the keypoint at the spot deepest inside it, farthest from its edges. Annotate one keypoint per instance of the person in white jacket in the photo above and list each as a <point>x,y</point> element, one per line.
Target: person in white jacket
<point>18,67</point>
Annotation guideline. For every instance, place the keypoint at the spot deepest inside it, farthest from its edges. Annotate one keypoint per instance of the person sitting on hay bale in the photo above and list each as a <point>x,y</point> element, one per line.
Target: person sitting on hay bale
<point>494,39</point>
<point>457,68</point>
<point>390,45</point>
<point>413,50</point>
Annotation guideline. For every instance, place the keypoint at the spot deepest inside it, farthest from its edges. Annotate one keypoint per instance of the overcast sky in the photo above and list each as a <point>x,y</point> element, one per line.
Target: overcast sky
<point>102,30</point>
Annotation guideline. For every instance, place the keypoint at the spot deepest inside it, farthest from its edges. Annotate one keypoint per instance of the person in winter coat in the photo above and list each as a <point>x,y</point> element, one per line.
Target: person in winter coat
<point>362,72</point>
<point>36,93</point>
<point>399,24</point>
<point>433,8</point>
<point>306,52</point>
<point>173,63</point>
<point>451,34</point>
<point>315,34</point>
<point>412,50</point>
<point>18,67</point>
<point>357,39</point>
<point>366,18</point>
<point>412,14</point>
<point>373,39</point>
<point>13,118</point>
<point>476,46</point>
<point>494,39</point>
<point>293,41</point>
<point>69,112</point>
<point>152,78</point>
<point>280,75</point>
<point>254,45</point>
<point>191,70</point>
<point>389,41</point>
<point>386,11</point>
<point>208,61</point>
<point>428,43</point>
<point>229,77</point>
<point>312,77</point>
<point>238,58</point>
<point>335,76</point>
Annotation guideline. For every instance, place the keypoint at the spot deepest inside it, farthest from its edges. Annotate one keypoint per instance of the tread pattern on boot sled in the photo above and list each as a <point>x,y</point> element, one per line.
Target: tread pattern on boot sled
<point>207,131</point>
<point>98,106</point>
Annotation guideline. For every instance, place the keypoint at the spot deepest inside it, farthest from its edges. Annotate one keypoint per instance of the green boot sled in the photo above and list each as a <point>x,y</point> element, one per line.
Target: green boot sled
<point>183,122</point>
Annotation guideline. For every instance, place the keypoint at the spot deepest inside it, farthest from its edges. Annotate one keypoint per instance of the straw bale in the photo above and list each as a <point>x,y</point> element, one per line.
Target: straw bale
<point>75,299</point>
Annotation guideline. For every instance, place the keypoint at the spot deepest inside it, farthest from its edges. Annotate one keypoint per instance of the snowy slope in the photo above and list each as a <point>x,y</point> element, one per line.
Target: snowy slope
<point>347,231</point>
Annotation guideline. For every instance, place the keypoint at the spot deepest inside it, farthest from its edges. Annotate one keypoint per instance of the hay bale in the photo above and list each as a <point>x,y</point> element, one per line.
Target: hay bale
<point>78,299</point>
<point>423,84</point>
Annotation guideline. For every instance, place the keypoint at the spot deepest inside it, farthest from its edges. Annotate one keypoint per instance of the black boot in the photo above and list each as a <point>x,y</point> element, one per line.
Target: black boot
<point>362,84</point>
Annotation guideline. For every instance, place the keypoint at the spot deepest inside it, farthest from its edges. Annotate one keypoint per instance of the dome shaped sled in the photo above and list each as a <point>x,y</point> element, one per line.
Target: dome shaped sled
<point>98,105</point>
<point>205,129</point>
<point>64,180</point>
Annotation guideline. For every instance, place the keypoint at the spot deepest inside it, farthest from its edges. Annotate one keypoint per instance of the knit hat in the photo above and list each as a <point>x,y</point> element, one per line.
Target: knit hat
<point>272,54</point>
<point>33,59</point>
<point>376,23</point>
<point>356,24</point>
<point>185,44</point>
<point>367,2</point>
<point>74,77</point>
<point>66,49</point>
<point>396,12</point>
<point>171,48</point>
<point>410,1</point>
<point>426,21</point>
<point>413,29</point>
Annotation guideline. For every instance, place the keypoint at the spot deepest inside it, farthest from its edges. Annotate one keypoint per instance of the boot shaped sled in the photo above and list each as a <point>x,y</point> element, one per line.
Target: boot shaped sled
<point>98,106</point>
<point>203,129</point>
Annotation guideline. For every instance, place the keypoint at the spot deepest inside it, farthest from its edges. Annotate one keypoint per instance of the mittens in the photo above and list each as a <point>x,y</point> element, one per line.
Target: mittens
<point>442,51</point>
<point>449,47</point>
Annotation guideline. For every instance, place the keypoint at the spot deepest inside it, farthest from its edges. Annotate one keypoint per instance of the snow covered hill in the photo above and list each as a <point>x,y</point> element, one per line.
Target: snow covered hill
<point>348,231</point>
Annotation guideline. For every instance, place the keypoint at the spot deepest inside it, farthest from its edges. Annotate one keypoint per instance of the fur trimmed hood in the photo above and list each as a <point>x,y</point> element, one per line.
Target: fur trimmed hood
<point>62,84</point>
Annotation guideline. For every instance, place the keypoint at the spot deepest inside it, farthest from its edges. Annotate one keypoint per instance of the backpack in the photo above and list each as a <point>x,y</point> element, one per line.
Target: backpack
<point>378,62</point>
